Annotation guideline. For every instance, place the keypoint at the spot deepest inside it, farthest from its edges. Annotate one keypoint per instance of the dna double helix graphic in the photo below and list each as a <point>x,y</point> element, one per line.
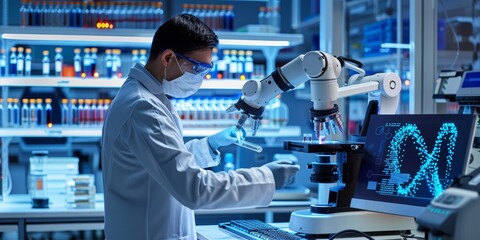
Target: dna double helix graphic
<point>429,169</point>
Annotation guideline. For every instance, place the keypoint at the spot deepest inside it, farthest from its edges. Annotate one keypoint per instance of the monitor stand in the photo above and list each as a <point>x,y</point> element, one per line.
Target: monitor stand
<point>306,222</point>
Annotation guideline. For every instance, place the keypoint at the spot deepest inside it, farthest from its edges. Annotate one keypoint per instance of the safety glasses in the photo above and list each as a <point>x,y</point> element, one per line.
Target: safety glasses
<point>199,68</point>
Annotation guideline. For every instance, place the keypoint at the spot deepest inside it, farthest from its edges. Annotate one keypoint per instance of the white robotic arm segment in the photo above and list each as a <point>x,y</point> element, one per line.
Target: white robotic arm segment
<point>389,83</point>
<point>388,94</point>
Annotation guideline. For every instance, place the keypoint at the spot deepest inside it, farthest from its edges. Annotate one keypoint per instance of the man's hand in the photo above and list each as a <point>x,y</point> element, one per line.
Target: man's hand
<point>283,172</point>
<point>225,137</point>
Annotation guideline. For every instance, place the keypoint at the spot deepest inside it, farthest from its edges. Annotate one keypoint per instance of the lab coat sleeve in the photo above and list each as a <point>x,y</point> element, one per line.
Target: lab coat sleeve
<point>201,150</point>
<point>154,139</point>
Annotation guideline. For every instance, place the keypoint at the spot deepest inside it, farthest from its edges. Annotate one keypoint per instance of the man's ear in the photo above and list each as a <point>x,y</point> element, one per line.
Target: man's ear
<point>167,57</point>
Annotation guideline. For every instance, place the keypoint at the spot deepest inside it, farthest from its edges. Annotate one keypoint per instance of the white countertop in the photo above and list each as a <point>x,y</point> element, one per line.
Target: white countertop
<point>19,206</point>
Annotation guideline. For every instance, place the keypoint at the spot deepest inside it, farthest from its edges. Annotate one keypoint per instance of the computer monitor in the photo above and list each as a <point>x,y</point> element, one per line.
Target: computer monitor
<point>410,159</point>
<point>469,87</point>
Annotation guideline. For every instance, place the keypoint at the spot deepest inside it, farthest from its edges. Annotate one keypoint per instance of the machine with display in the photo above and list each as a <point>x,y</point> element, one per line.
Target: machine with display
<point>453,214</point>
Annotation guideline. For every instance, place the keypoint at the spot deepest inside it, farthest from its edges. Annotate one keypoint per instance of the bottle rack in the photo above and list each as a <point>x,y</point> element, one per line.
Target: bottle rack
<point>269,44</point>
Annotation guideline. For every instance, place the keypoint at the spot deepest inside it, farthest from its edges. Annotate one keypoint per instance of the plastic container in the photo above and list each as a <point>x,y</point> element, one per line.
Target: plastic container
<point>38,189</point>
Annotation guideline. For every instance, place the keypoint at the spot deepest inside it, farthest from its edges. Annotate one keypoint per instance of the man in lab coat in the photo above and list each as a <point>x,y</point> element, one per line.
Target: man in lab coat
<point>152,179</point>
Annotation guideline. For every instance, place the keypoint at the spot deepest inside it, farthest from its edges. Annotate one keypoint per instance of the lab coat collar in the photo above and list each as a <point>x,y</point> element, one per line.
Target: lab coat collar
<point>140,73</point>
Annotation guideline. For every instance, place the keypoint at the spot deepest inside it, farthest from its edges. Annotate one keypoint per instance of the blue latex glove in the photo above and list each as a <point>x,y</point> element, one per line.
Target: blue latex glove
<point>283,172</point>
<point>226,137</point>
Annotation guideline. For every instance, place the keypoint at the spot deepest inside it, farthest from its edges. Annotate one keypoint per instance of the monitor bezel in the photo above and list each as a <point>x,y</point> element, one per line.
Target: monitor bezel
<point>406,209</point>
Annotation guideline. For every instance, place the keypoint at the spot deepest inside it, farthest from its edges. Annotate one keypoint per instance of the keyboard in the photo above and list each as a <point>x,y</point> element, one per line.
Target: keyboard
<point>256,230</point>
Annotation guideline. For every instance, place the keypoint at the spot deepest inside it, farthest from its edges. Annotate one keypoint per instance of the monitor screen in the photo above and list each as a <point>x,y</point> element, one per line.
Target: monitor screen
<point>471,80</point>
<point>470,86</point>
<point>410,159</point>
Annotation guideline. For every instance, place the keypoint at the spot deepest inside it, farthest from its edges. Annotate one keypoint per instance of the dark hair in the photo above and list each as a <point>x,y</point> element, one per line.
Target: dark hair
<point>182,33</point>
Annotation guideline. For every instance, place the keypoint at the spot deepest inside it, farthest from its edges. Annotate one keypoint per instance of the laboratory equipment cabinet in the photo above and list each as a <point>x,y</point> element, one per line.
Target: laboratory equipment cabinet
<point>269,44</point>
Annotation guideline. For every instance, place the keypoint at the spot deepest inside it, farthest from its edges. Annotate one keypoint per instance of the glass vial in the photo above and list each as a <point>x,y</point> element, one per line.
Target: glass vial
<point>77,62</point>
<point>48,112</point>
<point>58,61</point>
<point>41,121</point>
<point>13,62</point>
<point>45,64</point>
<point>28,61</point>
<point>20,61</point>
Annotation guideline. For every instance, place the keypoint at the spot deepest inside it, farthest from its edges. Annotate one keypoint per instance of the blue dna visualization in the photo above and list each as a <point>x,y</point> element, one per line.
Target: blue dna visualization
<point>429,169</point>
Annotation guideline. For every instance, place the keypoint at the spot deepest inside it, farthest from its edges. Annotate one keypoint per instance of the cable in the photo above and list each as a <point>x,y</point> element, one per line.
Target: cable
<point>350,231</point>
<point>454,34</point>
<point>458,180</point>
<point>351,60</point>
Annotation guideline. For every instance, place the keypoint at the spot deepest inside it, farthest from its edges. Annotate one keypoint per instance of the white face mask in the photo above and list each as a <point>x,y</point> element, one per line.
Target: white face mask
<point>184,86</point>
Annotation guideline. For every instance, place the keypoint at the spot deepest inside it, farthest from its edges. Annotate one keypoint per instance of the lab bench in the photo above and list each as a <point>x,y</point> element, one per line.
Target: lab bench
<point>17,215</point>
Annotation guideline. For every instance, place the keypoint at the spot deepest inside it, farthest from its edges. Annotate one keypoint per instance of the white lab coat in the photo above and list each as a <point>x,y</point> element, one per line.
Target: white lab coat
<point>153,180</point>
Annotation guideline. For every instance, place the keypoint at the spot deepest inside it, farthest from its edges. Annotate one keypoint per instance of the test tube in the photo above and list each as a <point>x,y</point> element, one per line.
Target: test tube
<point>251,146</point>
<point>307,137</point>
<point>245,144</point>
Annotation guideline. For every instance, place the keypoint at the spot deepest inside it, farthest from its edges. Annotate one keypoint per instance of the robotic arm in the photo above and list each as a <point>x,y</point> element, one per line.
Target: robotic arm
<point>322,69</point>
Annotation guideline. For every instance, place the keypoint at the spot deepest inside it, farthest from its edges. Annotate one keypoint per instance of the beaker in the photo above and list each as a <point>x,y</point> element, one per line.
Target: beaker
<point>38,179</point>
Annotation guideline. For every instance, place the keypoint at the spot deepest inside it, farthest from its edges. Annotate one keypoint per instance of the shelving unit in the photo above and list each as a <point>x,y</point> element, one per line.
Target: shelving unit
<point>269,44</point>
<point>74,82</point>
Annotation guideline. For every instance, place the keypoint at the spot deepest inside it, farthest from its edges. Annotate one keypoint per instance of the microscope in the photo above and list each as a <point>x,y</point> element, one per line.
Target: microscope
<point>338,161</point>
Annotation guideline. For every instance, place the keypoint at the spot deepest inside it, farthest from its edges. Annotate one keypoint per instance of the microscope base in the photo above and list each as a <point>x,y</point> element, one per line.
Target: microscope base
<point>304,221</point>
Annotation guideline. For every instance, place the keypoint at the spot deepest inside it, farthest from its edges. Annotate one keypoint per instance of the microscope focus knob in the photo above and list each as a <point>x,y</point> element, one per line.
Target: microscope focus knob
<point>309,165</point>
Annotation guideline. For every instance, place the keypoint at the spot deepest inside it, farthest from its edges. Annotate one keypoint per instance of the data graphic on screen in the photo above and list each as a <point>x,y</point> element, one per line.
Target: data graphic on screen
<point>410,159</point>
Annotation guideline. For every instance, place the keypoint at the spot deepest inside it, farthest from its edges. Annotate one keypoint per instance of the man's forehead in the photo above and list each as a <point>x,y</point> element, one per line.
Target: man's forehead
<point>203,55</point>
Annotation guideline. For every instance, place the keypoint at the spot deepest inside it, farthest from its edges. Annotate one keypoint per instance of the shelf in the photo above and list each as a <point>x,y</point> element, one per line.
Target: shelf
<point>289,131</point>
<point>51,132</point>
<point>378,59</point>
<point>74,82</point>
<point>445,58</point>
<point>224,84</point>
<point>60,82</point>
<point>61,36</point>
